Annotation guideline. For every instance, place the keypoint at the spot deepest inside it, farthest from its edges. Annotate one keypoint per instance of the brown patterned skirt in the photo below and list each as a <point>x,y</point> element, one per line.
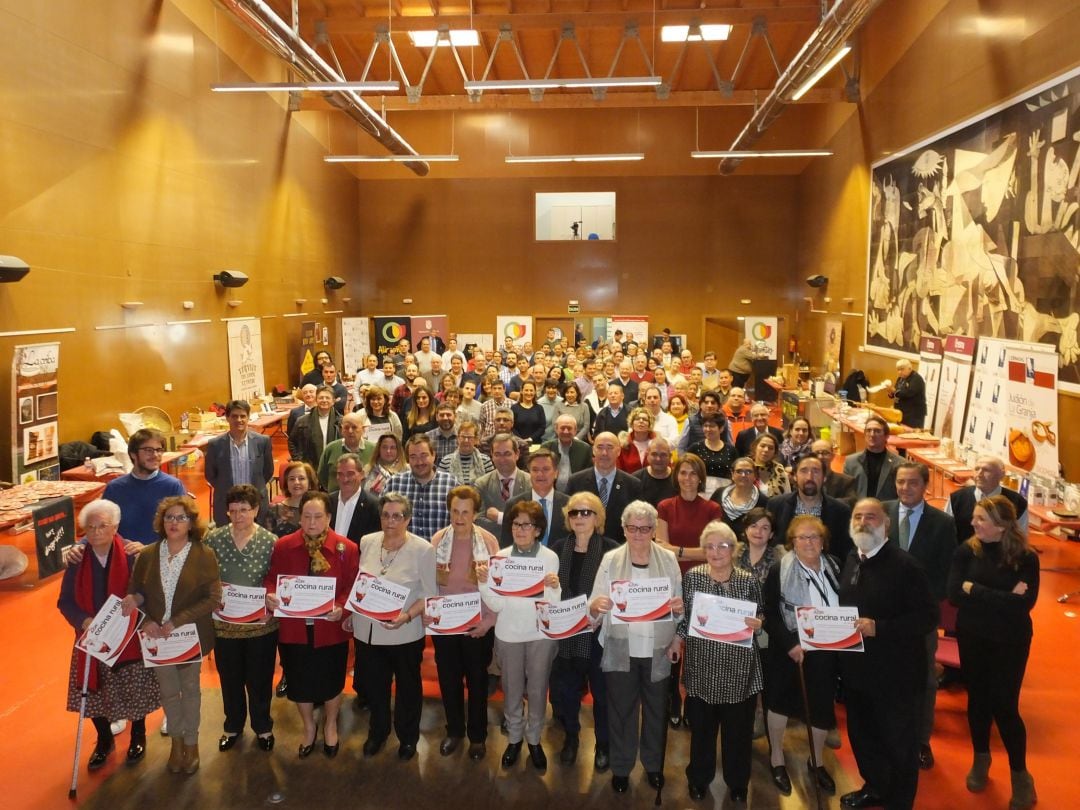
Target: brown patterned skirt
<point>128,691</point>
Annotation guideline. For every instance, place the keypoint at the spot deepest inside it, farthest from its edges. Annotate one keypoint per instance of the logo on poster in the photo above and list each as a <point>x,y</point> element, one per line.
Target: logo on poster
<point>393,332</point>
<point>514,330</point>
<point>761,331</point>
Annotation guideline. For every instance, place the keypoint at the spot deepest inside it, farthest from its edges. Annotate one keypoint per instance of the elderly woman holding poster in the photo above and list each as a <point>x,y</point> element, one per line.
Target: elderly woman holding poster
<point>127,689</point>
<point>462,660</point>
<point>638,653</point>
<point>175,583</point>
<point>722,680</point>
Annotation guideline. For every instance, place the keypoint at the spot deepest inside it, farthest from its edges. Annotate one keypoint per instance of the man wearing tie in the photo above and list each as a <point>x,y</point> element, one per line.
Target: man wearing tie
<point>541,465</point>
<point>929,535</point>
<point>614,487</point>
<point>500,485</point>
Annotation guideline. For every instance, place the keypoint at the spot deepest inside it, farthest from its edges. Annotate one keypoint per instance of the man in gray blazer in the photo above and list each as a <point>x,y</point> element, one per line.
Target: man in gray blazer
<point>571,454</point>
<point>929,535</point>
<point>874,469</point>
<point>541,466</point>
<point>239,456</point>
<point>500,485</point>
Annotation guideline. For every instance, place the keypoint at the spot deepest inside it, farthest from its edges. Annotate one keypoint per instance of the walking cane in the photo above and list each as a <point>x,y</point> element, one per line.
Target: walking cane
<point>78,732</point>
<point>809,737</point>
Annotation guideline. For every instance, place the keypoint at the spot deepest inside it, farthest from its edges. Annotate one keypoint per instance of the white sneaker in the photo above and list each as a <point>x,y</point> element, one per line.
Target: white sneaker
<point>165,727</point>
<point>118,727</point>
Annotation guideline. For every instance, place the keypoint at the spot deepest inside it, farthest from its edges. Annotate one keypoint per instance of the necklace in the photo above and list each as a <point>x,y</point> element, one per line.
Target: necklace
<point>385,563</point>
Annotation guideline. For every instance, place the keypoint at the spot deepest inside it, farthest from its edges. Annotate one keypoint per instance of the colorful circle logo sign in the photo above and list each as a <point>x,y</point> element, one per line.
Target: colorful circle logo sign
<point>761,331</point>
<point>393,332</point>
<point>514,330</point>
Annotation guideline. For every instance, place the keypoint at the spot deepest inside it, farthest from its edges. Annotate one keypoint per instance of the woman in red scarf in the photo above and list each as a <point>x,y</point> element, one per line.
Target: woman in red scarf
<point>127,690</point>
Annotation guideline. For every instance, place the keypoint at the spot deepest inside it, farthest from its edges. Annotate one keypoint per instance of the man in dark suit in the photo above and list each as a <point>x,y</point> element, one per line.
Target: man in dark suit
<point>572,455</point>
<point>353,512</point>
<point>316,430</point>
<point>541,466</point>
<point>240,456</point>
<point>502,484</point>
<point>307,395</point>
<point>989,472</point>
<point>759,416</point>
<point>882,684</point>
<point>840,486</point>
<point>625,380</point>
<point>909,393</point>
<point>614,487</point>
<point>929,535</point>
<point>810,498</point>
<point>874,469</point>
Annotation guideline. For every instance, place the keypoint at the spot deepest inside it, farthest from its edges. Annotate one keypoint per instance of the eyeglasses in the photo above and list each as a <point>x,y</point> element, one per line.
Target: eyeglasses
<point>240,510</point>
<point>176,518</point>
<point>823,453</point>
<point>808,538</point>
<point>107,527</point>
<point>393,517</point>
<point>581,513</point>
<point>638,529</point>
<point>714,547</point>
<point>523,526</point>
<point>157,451</point>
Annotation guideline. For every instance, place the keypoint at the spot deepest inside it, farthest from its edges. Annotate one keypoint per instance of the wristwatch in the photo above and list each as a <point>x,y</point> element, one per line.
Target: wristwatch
<point>681,550</point>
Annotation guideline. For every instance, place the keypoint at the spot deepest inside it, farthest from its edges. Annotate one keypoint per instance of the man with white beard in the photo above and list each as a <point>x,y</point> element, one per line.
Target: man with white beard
<point>882,685</point>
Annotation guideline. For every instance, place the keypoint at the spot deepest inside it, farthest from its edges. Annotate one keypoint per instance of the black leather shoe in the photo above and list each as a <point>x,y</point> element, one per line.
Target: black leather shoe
<point>861,798</point>
<point>449,745</point>
<point>675,720</point>
<point>136,749</point>
<point>738,796</point>
<point>331,750</point>
<point>477,751</point>
<point>926,757</point>
<point>656,779</point>
<point>305,750</point>
<point>373,745</point>
<point>620,784</point>
<point>266,743</point>
<point>601,760</point>
<point>781,779</point>
<point>511,754</point>
<point>100,756</point>
<point>227,742</point>
<point>406,751</point>
<point>825,782</point>
<point>538,757</point>
<point>697,792</point>
<point>282,688</point>
<point>568,755</point>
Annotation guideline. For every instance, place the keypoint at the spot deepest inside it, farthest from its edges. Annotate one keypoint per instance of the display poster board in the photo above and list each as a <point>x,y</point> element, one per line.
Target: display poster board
<point>833,343</point>
<point>953,387</point>
<point>389,329</point>
<point>246,379</point>
<point>762,332</point>
<point>931,350</point>
<point>467,341</point>
<point>54,530</point>
<point>426,326</point>
<point>519,328</point>
<point>634,327</point>
<point>355,344</point>
<point>35,424</point>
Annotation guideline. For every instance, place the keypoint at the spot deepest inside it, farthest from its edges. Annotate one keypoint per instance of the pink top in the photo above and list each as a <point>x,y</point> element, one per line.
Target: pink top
<point>459,581</point>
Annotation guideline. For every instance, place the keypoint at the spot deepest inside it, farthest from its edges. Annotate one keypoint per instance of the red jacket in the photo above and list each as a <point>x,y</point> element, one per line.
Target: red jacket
<point>291,557</point>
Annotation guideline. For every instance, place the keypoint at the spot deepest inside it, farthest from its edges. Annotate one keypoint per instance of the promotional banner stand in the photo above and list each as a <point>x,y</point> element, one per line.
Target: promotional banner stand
<point>73,792</point>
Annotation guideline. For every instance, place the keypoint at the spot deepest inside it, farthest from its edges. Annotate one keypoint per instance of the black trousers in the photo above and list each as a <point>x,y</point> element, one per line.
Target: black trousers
<point>994,672</point>
<point>735,724</point>
<point>462,663</point>
<point>246,669</point>
<point>884,731</point>
<point>397,664</point>
<point>569,677</point>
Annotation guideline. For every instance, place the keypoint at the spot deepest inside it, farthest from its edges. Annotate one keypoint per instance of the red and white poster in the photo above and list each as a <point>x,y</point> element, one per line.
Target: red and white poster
<point>35,445</point>
<point>931,351</point>
<point>181,646</point>
<point>305,597</point>
<point>516,576</point>
<point>241,605</point>
<point>109,631</point>
<point>640,600</point>
<point>830,628</point>
<point>718,618</point>
<point>562,619</point>
<point>376,598</point>
<point>452,615</point>
<point>953,387</point>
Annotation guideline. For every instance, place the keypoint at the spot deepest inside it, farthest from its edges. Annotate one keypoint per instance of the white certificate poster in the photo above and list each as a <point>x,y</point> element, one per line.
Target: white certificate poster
<point>109,631</point>
<point>640,600</point>
<point>831,628</point>
<point>355,344</point>
<point>452,615</point>
<point>241,605</point>
<point>718,618</point>
<point>377,598</point>
<point>562,619</point>
<point>179,647</point>
<point>305,597</point>
<point>516,576</point>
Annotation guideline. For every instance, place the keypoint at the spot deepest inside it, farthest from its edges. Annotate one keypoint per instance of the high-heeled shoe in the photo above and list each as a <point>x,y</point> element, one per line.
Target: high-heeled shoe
<point>305,750</point>
<point>331,750</point>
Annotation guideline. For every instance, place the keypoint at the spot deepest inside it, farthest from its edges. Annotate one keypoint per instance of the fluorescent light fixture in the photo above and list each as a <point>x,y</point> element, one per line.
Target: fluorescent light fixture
<point>461,38</point>
<point>756,153</point>
<point>613,157</point>
<point>390,158</point>
<point>566,84</point>
<point>681,33</point>
<point>829,64</point>
<point>307,87</point>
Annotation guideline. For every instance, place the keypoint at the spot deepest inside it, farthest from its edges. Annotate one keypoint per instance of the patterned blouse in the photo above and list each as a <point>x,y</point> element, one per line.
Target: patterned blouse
<point>713,671</point>
<point>245,567</point>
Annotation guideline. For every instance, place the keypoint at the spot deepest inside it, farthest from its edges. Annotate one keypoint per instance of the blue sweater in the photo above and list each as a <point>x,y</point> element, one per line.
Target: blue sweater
<point>138,500</point>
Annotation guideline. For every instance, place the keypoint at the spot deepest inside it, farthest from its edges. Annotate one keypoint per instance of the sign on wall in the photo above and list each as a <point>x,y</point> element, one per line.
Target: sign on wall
<point>355,343</point>
<point>246,380</point>
<point>389,329</point>
<point>763,333</point>
<point>519,328</point>
<point>434,327</point>
<point>35,424</point>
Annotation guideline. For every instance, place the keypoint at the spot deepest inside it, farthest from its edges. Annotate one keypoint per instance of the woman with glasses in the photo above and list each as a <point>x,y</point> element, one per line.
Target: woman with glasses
<point>386,462</point>
<point>245,654</point>
<point>577,665</point>
<point>176,582</point>
<point>637,657</point>
<point>377,408</point>
<point>743,495</point>
<point>314,652</point>
<point>722,680</point>
<point>524,652</point>
<point>635,442</point>
<point>391,650</point>
<point>807,577</point>
<point>127,690</point>
<point>717,453</point>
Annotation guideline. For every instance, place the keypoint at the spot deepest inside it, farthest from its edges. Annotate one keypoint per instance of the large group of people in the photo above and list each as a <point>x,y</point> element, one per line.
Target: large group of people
<point>602,467</point>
